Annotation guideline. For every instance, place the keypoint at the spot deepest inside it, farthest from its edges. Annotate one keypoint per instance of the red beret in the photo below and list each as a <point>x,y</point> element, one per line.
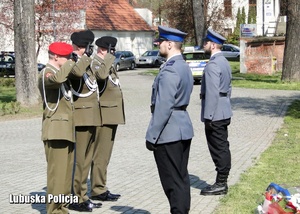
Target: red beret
<point>60,48</point>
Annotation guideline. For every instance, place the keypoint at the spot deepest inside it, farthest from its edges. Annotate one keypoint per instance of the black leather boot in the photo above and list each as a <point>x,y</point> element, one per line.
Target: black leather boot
<point>218,188</point>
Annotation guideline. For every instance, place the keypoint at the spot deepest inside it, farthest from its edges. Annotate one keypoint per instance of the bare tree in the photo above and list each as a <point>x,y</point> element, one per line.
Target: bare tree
<point>179,15</point>
<point>194,17</point>
<point>26,66</point>
<point>199,14</point>
<point>291,59</point>
<point>57,19</point>
<point>6,23</point>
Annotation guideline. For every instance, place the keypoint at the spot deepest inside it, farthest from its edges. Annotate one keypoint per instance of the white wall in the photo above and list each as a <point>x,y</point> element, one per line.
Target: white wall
<point>137,42</point>
<point>146,14</point>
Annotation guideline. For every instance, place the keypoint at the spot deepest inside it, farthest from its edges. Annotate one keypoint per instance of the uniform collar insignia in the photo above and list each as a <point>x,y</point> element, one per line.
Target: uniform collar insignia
<point>170,63</point>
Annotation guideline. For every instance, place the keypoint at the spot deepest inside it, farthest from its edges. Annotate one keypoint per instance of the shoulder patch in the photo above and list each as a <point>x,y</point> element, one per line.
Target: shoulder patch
<point>48,74</point>
<point>170,63</point>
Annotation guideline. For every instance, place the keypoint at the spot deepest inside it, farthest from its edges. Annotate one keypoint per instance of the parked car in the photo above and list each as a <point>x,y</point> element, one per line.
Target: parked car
<point>124,60</point>
<point>197,59</point>
<point>150,58</point>
<point>7,64</point>
<point>231,52</point>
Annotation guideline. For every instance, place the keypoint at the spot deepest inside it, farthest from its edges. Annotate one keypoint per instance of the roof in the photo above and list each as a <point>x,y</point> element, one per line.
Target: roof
<point>117,15</point>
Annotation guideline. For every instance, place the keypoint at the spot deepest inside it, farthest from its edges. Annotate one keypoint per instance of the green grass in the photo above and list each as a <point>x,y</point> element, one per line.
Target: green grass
<point>7,94</point>
<point>259,80</point>
<point>8,103</point>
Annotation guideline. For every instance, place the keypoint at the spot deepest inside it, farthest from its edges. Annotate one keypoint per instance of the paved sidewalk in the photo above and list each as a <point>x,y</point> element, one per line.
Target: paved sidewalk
<point>132,171</point>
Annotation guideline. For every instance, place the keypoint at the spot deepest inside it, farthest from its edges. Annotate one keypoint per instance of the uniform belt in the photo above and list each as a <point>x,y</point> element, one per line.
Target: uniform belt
<point>221,94</point>
<point>180,108</point>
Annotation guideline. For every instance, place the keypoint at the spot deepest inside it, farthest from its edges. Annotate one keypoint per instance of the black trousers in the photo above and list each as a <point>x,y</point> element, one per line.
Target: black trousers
<point>218,144</point>
<point>172,161</point>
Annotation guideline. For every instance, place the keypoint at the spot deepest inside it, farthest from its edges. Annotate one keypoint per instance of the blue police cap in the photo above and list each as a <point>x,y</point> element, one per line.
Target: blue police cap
<point>170,34</point>
<point>214,37</point>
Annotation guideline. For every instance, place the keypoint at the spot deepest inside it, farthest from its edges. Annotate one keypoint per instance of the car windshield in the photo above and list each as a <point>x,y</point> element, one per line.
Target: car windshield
<point>118,54</point>
<point>150,53</point>
<point>196,56</point>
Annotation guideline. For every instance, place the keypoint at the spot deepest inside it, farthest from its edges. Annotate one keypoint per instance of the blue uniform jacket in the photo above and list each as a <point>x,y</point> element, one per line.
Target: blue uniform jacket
<point>216,89</point>
<point>171,89</point>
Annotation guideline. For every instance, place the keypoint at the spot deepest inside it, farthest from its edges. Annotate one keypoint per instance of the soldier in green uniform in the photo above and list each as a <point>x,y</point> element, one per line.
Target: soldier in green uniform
<point>58,127</point>
<point>112,112</point>
<point>87,114</point>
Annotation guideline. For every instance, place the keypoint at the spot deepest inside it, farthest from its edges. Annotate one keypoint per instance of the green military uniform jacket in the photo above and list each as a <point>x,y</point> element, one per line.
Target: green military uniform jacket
<point>111,98</point>
<point>85,90</point>
<point>58,110</point>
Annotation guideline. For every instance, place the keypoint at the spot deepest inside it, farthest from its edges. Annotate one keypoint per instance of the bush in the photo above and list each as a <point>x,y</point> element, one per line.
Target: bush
<point>10,108</point>
<point>7,82</point>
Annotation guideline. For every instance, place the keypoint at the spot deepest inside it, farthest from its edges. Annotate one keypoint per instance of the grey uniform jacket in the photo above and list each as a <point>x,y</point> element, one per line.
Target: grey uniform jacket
<point>216,89</point>
<point>171,89</point>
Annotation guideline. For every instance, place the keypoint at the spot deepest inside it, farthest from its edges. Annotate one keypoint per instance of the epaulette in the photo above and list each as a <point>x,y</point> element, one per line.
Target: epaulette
<point>170,63</point>
<point>212,58</point>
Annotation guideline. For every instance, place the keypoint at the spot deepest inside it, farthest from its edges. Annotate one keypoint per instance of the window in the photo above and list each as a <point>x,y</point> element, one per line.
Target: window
<point>252,2</point>
<point>228,8</point>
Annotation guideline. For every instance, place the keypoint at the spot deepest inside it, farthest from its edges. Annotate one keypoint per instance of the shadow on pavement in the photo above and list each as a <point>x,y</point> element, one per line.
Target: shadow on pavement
<point>196,183</point>
<point>262,106</point>
<point>41,207</point>
<point>124,209</point>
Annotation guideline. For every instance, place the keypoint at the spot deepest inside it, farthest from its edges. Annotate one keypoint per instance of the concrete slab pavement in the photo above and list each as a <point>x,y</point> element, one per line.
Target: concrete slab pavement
<point>132,171</point>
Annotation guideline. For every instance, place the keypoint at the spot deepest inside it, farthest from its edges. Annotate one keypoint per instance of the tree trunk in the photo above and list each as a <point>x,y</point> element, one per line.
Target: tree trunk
<point>199,20</point>
<point>291,59</point>
<point>26,65</point>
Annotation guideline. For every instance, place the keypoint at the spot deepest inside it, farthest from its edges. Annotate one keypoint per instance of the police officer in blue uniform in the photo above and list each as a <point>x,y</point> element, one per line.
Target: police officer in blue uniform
<point>170,130</point>
<point>216,110</point>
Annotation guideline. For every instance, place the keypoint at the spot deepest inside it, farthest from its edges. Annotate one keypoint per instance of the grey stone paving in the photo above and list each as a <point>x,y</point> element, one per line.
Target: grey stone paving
<point>132,170</point>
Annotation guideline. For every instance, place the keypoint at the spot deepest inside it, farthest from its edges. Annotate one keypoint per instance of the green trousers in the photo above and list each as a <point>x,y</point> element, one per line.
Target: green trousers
<point>85,138</point>
<point>60,160</point>
<point>97,162</point>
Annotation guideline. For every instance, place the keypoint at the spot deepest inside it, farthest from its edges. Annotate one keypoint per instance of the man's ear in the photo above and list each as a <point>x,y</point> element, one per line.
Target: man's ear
<point>55,57</point>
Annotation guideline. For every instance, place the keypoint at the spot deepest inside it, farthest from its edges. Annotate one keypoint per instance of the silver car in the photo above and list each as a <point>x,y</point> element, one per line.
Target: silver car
<point>150,58</point>
<point>231,52</point>
<point>124,60</point>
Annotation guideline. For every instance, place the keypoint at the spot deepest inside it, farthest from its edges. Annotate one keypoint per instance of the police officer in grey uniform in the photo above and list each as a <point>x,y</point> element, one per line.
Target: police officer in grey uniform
<point>216,110</point>
<point>170,130</point>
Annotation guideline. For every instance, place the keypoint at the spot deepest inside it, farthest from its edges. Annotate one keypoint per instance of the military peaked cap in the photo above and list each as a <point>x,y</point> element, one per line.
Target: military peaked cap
<point>170,34</point>
<point>60,48</point>
<point>105,41</point>
<point>214,37</point>
<point>83,38</point>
